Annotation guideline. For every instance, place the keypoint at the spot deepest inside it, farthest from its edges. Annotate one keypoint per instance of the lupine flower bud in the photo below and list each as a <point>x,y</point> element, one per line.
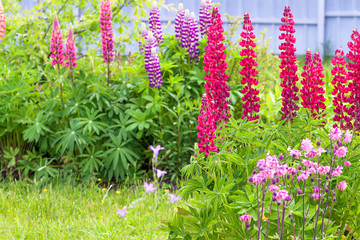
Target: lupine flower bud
<point>288,67</point>
<point>273,199</point>
<point>179,21</point>
<point>70,51</point>
<point>353,77</point>
<point>2,21</point>
<point>278,203</point>
<point>155,24</point>
<point>107,42</point>
<point>205,16</point>
<point>334,193</point>
<point>56,44</point>
<point>312,179</point>
<point>250,99</point>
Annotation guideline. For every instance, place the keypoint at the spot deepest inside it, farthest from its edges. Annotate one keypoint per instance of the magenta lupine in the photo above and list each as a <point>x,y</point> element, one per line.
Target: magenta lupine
<point>250,99</point>
<point>155,24</point>
<point>56,44</point>
<point>206,126</point>
<point>353,76</point>
<point>2,21</point>
<point>70,51</point>
<point>107,42</point>
<point>307,81</point>
<point>318,105</point>
<point>179,21</point>
<point>215,65</point>
<point>205,16</point>
<point>288,67</point>
<point>340,90</point>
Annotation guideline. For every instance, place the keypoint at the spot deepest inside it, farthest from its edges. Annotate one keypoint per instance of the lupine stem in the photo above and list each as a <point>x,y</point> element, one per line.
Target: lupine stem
<point>108,72</point>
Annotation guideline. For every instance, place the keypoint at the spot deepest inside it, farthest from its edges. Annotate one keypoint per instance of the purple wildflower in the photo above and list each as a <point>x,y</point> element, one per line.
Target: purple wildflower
<point>56,44</point>
<point>154,71</point>
<point>122,212</point>
<point>174,198</point>
<point>205,16</point>
<point>159,172</point>
<point>347,137</point>
<point>149,187</point>
<point>347,163</point>
<point>342,185</point>
<point>155,24</point>
<point>150,43</point>
<point>156,150</point>
<point>245,218</point>
<point>306,145</point>
<point>189,35</point>
<point>179,21</point>
<point>335,134</point>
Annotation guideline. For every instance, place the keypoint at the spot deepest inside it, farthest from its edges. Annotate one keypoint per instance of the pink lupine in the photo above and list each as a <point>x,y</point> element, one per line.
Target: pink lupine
<point>288,66</point>
<point>106,31</point>
<point>2,21</point>
<point>56,44</point>
<point>250,99</point>
<point>70,51</point>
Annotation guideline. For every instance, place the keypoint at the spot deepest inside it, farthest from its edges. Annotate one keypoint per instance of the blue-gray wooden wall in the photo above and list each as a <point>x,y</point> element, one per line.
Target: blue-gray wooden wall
<point>322,25</point>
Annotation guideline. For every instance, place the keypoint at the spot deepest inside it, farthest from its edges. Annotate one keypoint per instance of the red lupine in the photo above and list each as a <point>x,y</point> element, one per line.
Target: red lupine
<point>353,77</point>
<point>214,64</point>
<point>206,127</point>
<point>250,98</point>
<point>56,44</point>
<point>2,21</point>
<point>288,67</point>
<point>312,94</point>
<point>340,90</point>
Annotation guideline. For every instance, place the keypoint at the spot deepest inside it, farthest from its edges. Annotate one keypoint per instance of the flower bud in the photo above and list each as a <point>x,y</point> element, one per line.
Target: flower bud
<point>254,172</point>
<point>278,203</point>
<point>300,192</point>
<point>334,199</point>
<point>339,143</point>
<point>312,179</point>
<point>248,225</point>
<point>251,179</point>
<point>288,176</point>
<point>281,157</point>
<point>318,143</point>
<point>326,189</point>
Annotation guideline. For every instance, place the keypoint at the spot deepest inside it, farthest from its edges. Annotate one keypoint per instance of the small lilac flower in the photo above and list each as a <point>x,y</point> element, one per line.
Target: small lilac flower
<point>273,188</point>
<point>281,171</point>
<point>149,187</point>
<point>300,192</point>
<point>268,173</point>
<point>245,218</point>
<point>342,185</point>
<point>347,163</point>
<point>306,145</point>
<point>335,134</point>
<point>122,212</point>
<point>323,170</point>
<point>156,151</point>
<point>341,152</point>
<point>174,198</point>
<point>295,153</point>
<point>282,195</point>
<point>320,151</point>
<point>347,137</point>
<point>159,173</point>
<point>257,179</point>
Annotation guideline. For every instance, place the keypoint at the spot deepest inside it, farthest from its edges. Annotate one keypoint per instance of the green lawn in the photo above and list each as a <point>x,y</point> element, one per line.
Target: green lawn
<point>64,211</point>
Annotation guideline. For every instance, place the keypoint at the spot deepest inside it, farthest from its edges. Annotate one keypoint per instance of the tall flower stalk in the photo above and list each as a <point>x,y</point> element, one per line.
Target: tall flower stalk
<point>288,67</point>
<point>189,35</point>
<point>107,42</point>
<point>248,63</point>
<point>56,49</point>
<point>340,90</point>
<point>70,53</point>
<point>179,21</point>
<point>205,16</point>
<point>353,76</point>
<point>155,24</point>
<point>2,21</point>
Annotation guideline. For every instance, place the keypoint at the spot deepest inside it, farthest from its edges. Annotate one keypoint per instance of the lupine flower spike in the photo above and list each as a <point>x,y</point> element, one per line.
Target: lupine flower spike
<point>107,42</point>
<point>144,35</point>
<point>319,99</point>
<point>56,44</point>
<point>250,98</point>
<point>154,72</point>
<point>2,21</point>
<point>190,35</point>
<point>353,76</point>
<point>288,67</point>
<point>155,24</point>
<point>70,52</point>
<point>179,21</point>
<point>340,90</point>
<point>205,16</point>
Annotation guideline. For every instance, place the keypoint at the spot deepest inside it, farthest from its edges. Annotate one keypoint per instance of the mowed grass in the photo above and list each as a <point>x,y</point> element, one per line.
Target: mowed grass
<point>65,211</point>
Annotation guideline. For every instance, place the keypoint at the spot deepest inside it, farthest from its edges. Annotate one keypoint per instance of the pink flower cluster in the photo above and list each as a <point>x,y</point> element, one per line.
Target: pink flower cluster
<point>107,42</point>
<point>312,94</point>
<point>250,99</point>
<point>70,51</point>
<point>56,44</point>
<point>288,67</point>
<point>2,21</point>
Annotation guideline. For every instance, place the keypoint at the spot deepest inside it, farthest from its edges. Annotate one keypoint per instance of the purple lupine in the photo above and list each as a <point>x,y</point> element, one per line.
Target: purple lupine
<point>155,24</point>
<point>179,20</point>
<point>70,51</point>
<point>150,43</point>
<point>56,44</point>
<point>144,35</point>
<point>154,72</point>
<point>106,31</point>
<point>205,16</point>
<point>185,30</point>
<point>194,37</point>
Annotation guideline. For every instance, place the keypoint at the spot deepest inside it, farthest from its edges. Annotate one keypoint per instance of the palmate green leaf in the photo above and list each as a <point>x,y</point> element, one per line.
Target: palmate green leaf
<point>90,124</point>
<point>36,128</point>
<point>91,160</point>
